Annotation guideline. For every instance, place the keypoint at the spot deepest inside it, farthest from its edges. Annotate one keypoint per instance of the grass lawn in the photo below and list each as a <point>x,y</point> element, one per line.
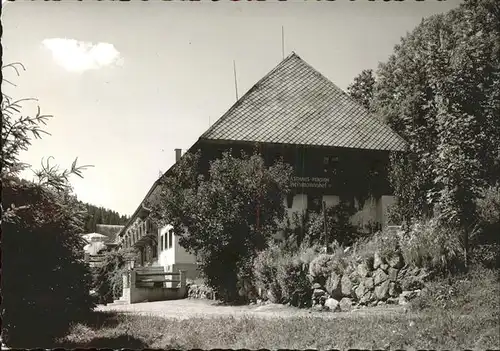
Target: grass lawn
<point>456,314</point>
<point>411,331</point>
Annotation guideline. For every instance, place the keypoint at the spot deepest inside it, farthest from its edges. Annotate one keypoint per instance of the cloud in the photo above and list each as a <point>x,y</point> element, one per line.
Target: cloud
<point>79,56</point>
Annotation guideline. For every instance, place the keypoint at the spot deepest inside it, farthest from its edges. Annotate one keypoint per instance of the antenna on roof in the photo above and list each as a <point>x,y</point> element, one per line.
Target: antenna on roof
<point>235,81</point>
<point>283,42</point>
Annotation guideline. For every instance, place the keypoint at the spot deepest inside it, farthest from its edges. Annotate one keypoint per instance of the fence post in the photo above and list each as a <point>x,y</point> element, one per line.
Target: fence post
<point>182,277</point>
<point>133,278</point>
<point>126,279</point>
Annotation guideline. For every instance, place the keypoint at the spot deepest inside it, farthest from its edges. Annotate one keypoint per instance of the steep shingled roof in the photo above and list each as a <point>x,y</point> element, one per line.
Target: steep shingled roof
<point>295,104</point>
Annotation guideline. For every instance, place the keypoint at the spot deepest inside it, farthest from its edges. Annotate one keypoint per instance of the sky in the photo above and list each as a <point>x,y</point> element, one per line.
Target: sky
<point>128,82</point>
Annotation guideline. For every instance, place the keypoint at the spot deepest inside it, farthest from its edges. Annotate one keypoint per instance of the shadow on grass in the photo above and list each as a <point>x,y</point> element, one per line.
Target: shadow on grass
<point>96,321</point>
<point>99,319</point>
<point>115,342</point>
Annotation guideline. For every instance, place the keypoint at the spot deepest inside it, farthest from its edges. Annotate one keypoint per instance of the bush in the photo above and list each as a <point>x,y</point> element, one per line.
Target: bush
<point>45,281</point>
<point>488,206</point>
<point>108,276</point>
<point>433,246</point>
<point>293,281</point>
<point>386,243</point>
<point>487,255</point>
<point>323,265</point>
<point>284,274</point>
<point>485,244</point>
<point>340,228</point>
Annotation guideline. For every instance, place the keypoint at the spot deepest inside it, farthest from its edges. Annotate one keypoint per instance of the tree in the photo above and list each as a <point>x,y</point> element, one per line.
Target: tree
<point>100,215</point>
<point>108,275</point>
<point>45,281</point>
<point>228,217</point>
<point>362,88</point>
<point>440,91</point>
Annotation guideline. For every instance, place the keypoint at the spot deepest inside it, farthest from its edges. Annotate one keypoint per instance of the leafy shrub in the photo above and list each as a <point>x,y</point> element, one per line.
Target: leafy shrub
<point>293,281</point>
<point>386,243</point>
<point>284,273</point>
<point>108,276</point>
<point>265,271</point>
<point>321,267</point>
<point>488,206</point>
<point>487,255</point>
<point>429,244</point>
<point>340,228</point>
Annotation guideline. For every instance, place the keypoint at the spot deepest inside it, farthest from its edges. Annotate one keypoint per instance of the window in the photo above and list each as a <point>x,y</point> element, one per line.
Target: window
<point>162,245</point>
<point>289,200</point>
<point>170,238</point>
<point>314,203</point>
<point>154,251</point>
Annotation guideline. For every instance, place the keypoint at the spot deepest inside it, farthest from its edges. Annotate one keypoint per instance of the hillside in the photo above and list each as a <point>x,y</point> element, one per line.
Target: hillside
<point>100,215</point>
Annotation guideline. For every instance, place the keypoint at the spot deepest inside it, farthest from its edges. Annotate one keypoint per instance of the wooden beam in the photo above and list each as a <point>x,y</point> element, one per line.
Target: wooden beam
<point>158,281</point>
<point>157,273</point>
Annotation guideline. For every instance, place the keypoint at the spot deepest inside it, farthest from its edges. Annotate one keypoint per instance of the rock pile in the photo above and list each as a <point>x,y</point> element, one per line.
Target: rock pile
<point>200,292</point>
<point>371,282</point>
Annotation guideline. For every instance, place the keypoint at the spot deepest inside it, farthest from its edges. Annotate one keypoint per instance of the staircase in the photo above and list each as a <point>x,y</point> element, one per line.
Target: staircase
<point>123,300</point>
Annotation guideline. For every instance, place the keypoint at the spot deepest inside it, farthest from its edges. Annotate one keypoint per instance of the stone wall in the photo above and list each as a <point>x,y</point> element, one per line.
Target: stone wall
<point>369,283</point>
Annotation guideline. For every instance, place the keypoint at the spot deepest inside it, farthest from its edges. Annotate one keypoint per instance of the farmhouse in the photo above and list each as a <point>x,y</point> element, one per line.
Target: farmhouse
<point>337,149</point>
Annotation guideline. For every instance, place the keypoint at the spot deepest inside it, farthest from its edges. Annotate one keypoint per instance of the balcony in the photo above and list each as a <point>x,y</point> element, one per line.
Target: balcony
<point>145,232</point>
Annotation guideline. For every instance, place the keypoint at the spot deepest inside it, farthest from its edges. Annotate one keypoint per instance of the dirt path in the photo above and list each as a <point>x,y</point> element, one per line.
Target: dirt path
<point>189,308</point>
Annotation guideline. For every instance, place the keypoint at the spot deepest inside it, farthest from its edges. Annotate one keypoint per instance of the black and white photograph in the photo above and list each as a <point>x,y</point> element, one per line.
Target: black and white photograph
<point>250,174</point>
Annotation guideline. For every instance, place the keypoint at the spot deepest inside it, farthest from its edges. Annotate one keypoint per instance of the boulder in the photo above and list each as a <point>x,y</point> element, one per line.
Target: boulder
<point>396,261</point>
<point>393,274</point>
<point>360,291</point>
<point>377,260</point>
<point>318,293</point>
<point>346,286</point>
<point>394,289</point>
<point>363,270</point>
<point>384,267</point>
<point>382,290</point>
<point>369,283</point>
<point>355,278</point>
<point>402,273</point>
<point>402,300</point>
<point>379,277</point>
<point>317,286</point>
<point>411,282</point>
<point>366,298</point>
<point>345,304</point>
<point>332,304</point>
<point>393,300</point>
<point>333,286</point>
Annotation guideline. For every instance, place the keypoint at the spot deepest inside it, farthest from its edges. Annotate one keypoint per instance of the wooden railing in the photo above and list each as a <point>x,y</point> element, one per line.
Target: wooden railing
<point>144,228</point>
<point>145,279</point>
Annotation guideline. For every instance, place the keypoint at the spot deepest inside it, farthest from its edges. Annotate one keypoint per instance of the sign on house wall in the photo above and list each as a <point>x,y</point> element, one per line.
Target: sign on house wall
<point>311,182</point>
